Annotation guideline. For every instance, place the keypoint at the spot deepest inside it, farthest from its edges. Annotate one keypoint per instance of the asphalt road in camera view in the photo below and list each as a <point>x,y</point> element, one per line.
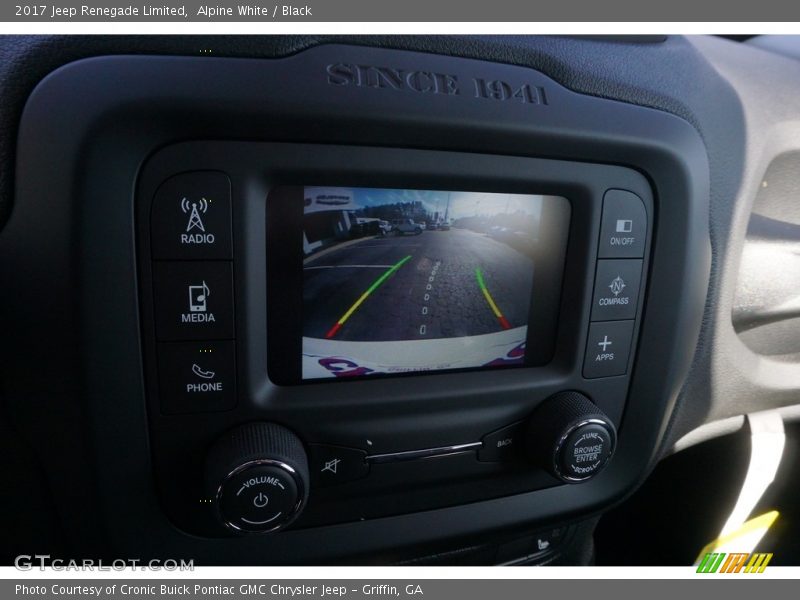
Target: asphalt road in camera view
<point>435,293</point>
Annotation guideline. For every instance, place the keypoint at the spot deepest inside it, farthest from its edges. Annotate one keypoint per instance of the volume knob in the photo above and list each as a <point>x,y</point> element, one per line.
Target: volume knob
<point>257,475</point>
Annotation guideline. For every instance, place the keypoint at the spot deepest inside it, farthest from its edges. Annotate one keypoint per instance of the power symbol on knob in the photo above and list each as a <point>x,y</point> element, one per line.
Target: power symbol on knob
<point>258,474</point>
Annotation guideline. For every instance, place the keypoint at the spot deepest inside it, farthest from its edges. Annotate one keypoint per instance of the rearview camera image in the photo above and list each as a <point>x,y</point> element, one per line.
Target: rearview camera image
<point>399,281</point>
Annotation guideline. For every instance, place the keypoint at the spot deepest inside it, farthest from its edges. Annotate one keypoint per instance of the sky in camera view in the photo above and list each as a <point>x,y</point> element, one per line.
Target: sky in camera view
<point>462,204</point>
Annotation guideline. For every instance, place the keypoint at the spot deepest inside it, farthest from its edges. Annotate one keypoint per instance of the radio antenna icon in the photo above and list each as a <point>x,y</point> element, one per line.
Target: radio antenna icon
<point>194,209</point>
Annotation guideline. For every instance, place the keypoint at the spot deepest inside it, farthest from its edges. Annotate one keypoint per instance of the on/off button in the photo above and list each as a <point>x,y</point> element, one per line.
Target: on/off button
<point>623,230</point>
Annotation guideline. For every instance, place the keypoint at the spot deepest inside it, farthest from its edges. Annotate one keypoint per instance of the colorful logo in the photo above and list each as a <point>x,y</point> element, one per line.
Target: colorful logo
<point>734,562</point>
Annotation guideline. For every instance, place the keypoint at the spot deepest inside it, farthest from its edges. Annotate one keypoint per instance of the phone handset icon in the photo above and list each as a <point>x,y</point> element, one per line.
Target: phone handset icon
<point>204,374</point>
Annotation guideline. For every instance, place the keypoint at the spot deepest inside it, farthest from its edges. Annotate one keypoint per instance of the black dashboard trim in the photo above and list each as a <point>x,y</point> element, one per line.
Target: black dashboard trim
<point>84,114</point>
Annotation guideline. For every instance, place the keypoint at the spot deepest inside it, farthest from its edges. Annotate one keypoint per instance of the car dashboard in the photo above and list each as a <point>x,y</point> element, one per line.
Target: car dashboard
<point>381,299</point>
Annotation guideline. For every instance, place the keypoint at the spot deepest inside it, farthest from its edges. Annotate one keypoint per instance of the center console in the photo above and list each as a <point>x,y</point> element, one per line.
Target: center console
<point>425,328</point>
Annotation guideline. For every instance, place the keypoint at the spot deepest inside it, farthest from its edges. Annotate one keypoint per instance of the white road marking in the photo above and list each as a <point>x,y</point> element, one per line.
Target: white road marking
<point>423,328</point>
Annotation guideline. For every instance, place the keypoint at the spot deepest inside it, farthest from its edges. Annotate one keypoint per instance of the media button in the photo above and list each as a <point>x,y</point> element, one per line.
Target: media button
<point>624,225</point>
<point>193,300</point>
<point>616,289</point>
<point>191,217</point>
<point>607,349</point>
<point>197,376</point>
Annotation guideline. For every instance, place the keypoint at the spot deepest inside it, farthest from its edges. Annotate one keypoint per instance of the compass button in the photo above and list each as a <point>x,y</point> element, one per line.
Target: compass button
<point>616,289</point>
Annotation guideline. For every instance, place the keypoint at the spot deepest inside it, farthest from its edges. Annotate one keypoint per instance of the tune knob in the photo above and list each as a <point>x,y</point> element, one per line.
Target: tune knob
<point>257,475</point>
<point>570,437</point>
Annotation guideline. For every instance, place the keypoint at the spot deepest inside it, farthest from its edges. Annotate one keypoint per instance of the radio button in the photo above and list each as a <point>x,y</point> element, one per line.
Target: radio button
<point>607,349</point>
<point>624,226</point>
<point>616,289</point>
<point>193,300</point>
<point>197,376</point>
<point>191,217</point>
<point>330,465</point>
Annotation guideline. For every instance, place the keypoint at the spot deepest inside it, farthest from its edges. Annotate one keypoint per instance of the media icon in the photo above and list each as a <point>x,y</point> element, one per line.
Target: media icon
<point>198,297</point>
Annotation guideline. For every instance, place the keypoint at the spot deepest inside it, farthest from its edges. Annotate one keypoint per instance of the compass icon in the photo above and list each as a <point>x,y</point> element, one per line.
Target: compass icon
<point>617,285</point>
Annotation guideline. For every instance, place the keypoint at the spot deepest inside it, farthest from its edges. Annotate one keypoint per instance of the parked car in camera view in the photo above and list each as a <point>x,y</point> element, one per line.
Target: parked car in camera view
<point>404,226</point>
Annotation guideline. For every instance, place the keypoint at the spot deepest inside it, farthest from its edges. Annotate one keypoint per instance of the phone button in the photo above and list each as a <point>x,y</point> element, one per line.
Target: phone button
<point>197,376</point>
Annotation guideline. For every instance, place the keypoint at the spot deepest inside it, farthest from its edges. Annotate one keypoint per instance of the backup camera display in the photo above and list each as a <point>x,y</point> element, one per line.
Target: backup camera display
<point>398,281</point>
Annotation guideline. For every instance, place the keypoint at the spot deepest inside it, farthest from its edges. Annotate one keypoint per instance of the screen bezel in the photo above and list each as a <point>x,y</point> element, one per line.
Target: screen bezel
<point>380,414</point>
<point>284,212</point>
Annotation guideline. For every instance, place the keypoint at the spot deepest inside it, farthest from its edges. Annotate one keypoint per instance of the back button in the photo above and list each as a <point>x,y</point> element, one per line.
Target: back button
<point>502,445</point>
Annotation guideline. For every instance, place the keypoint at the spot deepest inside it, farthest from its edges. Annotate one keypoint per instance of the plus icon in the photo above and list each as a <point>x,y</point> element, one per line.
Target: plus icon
<point>605,343</point>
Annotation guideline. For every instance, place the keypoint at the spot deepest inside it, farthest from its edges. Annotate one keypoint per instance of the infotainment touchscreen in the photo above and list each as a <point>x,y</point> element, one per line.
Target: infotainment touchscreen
<point>402,280</point>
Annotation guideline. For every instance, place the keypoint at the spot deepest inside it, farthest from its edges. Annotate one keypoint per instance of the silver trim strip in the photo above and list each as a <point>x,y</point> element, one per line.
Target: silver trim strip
<point>393,457</point>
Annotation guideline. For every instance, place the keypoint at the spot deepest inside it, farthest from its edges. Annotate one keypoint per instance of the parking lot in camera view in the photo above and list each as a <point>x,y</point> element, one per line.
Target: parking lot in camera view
<point>438,284</point>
